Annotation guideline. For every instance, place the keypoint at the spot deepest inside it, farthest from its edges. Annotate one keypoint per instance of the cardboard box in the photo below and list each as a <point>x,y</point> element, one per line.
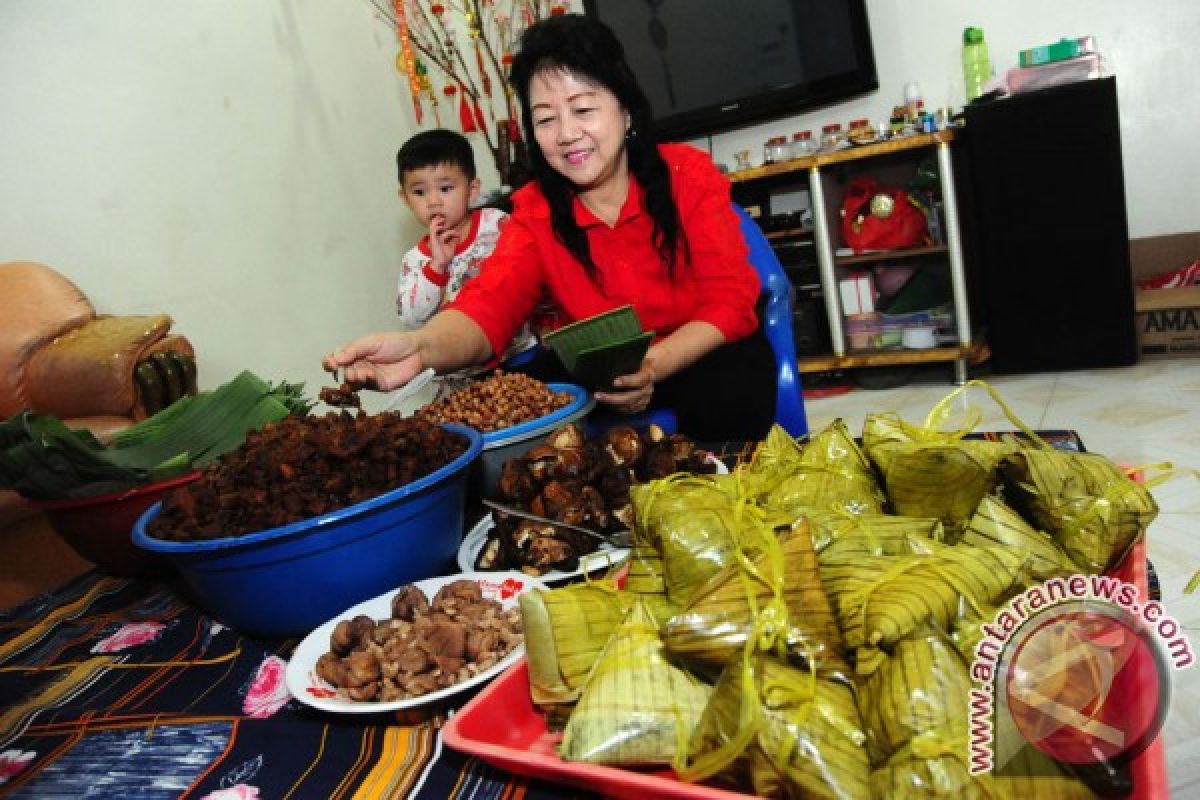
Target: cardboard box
<point>1168,322</point>
<point>858,293</point>
<point>1166,319</point>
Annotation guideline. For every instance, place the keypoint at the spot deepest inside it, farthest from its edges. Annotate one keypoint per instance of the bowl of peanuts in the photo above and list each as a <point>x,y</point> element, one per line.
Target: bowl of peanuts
<point>514,412</point>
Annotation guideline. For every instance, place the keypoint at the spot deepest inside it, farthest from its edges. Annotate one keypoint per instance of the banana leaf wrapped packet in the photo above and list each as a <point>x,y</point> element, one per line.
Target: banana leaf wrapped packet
<point>644,579</point>
<point>830,472</point>
<point>842,537</point>
<point>879,600</point>
<point>995,523</point>
<point>920,691</point>
<point>678,493</point>
<point>777,599</point>
<point>636,708</point>
<point>786,732</point>
<point>1094,511</point>
<point>916,715</point>
<point>696,545</point>
<point>928,473</point>
<point>565,630</point>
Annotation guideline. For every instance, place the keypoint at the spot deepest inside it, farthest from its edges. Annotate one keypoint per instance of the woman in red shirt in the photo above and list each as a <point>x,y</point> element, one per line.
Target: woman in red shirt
<point>610,219</point>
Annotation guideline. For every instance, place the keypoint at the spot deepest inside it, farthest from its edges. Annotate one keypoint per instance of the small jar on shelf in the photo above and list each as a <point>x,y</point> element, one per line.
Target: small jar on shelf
<point>776,149</point>
<point>803,144</point>
<point>832,136</point>
<point>861,132</point>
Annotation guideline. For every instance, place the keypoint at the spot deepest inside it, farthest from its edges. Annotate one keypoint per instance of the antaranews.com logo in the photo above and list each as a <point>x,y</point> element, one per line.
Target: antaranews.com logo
<point>1078,668</point>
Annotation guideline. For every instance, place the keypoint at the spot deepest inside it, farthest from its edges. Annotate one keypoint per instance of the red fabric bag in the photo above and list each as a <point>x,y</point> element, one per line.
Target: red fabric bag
<point>864,229</point>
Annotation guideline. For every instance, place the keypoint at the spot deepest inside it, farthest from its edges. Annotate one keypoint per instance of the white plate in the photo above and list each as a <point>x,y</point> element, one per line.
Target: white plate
<point>473,543</point>
<point>301,674</point>
<point>605,557</point>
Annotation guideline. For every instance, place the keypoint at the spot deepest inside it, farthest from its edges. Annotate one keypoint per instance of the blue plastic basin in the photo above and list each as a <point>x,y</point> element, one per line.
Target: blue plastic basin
<point>506,443</point>
<point>286,581</point>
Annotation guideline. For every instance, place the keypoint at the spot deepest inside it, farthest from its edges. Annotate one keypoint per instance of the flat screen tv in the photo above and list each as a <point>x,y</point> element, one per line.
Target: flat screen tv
<point>711,65</point>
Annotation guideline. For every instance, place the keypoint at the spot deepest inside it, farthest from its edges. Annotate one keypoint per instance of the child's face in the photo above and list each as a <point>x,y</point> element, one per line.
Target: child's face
<point>442,190</point>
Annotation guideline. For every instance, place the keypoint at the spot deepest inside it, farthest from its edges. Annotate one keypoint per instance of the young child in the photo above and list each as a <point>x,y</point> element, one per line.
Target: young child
<point>437,182</point>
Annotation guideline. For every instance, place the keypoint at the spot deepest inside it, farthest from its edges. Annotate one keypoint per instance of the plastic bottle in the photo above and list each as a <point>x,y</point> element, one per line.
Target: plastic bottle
<point>913,100</point>
<point>977,67</point>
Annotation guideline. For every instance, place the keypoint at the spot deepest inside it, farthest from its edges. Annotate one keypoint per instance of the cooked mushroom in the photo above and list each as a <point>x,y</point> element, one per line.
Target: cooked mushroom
<point>516,484</point>
<point>540,459</point>
<point>348,634</point>
<point>409,602</point>
<point>568,435</point>
<point>623,446</point>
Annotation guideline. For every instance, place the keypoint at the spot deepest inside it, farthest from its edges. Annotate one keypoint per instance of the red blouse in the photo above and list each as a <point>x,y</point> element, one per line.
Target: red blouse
<point>717,285</point>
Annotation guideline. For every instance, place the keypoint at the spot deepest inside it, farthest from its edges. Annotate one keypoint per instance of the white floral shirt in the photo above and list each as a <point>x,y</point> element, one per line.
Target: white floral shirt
<point>421,292</point>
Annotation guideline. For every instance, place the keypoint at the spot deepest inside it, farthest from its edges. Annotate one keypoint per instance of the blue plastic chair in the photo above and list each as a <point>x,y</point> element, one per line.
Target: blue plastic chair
<point>777,323</point>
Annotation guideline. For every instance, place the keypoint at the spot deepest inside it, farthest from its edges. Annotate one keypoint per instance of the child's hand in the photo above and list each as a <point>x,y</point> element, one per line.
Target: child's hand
<point>442,244</point>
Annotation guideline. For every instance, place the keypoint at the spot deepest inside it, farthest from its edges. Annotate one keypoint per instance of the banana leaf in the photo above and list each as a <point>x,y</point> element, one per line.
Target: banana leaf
<point>920,690</point>
<point>697,544</point>
<point>645,580</point>
<point>636,707</point>
<point>830,472</point>
<point>680,492</point>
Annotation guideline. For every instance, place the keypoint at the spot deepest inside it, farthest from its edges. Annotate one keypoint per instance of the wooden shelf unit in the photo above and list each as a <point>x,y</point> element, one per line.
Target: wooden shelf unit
<point>822,179</point>
<point>890,255</point>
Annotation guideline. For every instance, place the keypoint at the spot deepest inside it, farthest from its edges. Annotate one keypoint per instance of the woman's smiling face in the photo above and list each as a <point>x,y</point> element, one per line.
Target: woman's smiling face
<point>580,127</point>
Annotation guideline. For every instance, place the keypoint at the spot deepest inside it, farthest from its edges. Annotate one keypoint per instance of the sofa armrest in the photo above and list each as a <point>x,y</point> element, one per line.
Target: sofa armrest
<point>89,371</point>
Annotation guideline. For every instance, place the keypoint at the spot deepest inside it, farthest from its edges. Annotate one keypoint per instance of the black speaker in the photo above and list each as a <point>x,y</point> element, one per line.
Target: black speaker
<point>1047,228</point>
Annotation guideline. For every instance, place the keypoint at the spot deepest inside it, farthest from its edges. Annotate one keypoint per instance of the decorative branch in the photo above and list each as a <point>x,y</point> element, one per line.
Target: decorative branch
<point>492,28</point>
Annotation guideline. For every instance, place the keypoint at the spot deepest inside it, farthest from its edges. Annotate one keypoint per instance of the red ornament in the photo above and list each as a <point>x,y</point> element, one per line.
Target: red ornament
<point>506,59</point>
<point>557,11</point>
<point>465,117</point>
<point>449,91</point>
<point>437,8</point>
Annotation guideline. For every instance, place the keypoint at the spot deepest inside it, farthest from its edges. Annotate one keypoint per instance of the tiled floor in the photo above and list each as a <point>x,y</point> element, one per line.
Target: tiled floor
<point>1145,414</point>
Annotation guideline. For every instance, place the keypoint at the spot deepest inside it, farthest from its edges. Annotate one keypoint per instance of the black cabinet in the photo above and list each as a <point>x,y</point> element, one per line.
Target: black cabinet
<point>1045,217</point>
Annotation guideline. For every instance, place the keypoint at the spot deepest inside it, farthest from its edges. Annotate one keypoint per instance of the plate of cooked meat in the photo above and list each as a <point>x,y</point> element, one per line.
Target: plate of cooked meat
<point>418,644</point>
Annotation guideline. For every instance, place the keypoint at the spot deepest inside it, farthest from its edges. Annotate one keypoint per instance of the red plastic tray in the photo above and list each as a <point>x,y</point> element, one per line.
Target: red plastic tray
<point>501,726</point>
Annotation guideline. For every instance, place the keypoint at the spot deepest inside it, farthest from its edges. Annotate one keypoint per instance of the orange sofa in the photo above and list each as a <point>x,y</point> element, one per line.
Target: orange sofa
<point>57,356</point>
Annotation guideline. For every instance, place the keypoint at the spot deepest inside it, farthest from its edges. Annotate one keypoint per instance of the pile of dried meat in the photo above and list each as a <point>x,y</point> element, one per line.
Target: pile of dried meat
<point>302,467</point>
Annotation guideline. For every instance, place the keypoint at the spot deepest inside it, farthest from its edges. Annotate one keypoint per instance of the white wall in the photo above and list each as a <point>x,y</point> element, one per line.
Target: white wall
<point>231,162</point>
<point>1151,47</point>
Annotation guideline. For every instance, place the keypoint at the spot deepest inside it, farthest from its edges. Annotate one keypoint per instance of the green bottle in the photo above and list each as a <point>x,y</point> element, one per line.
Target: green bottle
<point>977,67</point>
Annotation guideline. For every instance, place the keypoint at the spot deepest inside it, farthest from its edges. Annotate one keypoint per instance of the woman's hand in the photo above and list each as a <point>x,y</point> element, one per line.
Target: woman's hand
<point>382,360</point>
<point>633,392</point>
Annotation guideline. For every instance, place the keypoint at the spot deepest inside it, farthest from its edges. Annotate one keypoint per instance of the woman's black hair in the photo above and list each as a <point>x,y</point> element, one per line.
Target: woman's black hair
<point>587,48</point>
